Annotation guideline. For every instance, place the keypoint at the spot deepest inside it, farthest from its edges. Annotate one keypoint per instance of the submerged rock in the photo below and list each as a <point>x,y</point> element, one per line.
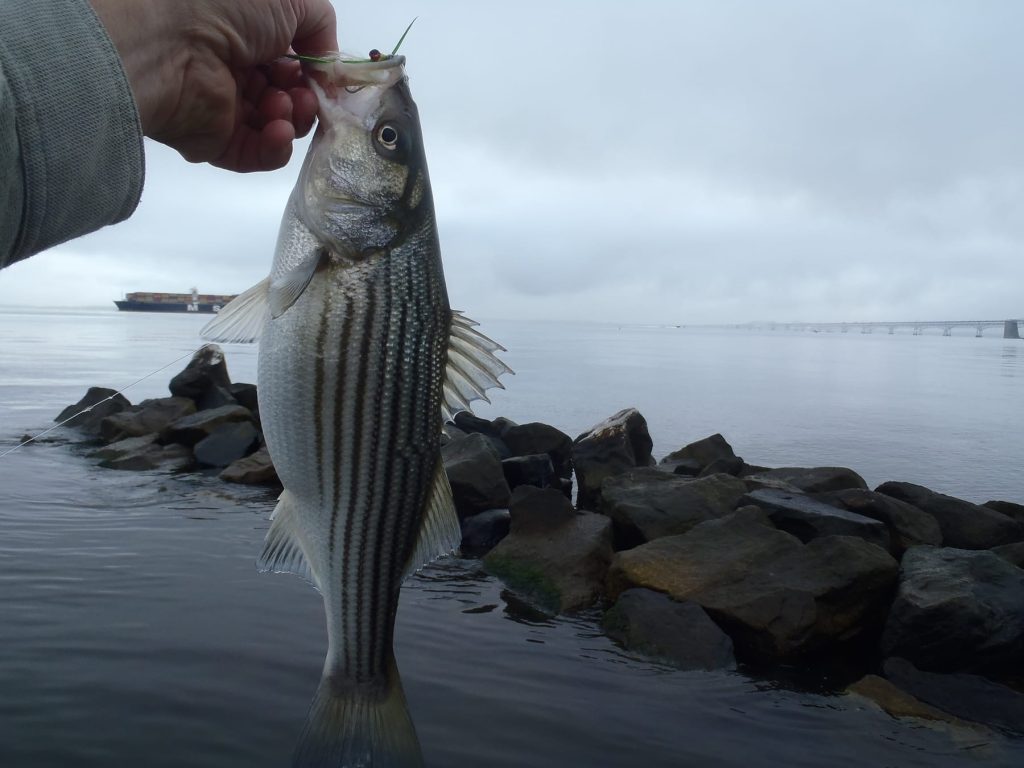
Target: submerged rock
<point>616,445</point>
<point>121,448</point>
<point>475,474</point>
<point>169,458</point>
<point>898,702</point>
<point>808,519</point>
<point>256,469</point>
<point>148,417</point>
<point>95,405</point>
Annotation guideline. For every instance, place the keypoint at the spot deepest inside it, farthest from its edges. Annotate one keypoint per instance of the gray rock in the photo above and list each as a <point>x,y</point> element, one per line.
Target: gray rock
<point>617,444</point>
<point>189,430</point>
<point>256,469</point>
<point>776,598</point>
<point>227,444</point>
<point>646,504</point>
<point>1011,553</point>
<point>807,519</point>
<point>703,452</point>
<point>124,447</point>
<point>957,610</point>
<point>470,423</point>
<point>474,471</point>
<point>148,417</point>
<point>908,526</point>
<point>97,403</point>
<point>553,555</point>
<point>724,466</point>
<point>679,633</point>
<point>247,396</point>
<point>168,458</point>
<point>534,437</point>
<point>815,479</point>
<point>535,470</point>
<point>1008,508</point>
<point>215,396</point>
<point>482,532</point>
<point>205,370</point>
<point>970,697</point>
<point>685,467</point>
<point>964,525</point>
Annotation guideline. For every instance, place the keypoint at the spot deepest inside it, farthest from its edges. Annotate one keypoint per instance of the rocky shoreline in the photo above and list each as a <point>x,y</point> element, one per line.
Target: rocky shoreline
<point>701,560</point>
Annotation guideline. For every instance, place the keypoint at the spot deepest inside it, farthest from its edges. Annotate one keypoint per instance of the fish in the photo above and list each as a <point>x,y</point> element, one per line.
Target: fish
<point>361,361</point>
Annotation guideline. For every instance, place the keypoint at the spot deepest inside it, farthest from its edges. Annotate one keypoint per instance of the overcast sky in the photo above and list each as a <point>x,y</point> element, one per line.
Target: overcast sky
<point>667,162</point>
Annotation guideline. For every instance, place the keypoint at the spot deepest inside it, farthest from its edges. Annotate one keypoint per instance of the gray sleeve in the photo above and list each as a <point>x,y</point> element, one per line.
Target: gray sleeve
<point>71,155</point>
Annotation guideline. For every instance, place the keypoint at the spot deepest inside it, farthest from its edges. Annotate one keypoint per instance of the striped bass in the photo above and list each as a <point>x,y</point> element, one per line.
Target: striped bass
<point>361,360</point>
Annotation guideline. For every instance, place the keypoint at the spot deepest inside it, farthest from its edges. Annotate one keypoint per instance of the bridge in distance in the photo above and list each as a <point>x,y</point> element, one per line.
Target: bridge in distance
<point>1011,328</point>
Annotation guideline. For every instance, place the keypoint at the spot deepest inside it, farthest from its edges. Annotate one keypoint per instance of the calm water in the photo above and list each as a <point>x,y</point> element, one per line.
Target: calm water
<point>135,631</point>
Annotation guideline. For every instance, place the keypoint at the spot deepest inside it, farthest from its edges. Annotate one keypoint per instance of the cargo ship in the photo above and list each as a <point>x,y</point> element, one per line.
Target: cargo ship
<point>208,303</point>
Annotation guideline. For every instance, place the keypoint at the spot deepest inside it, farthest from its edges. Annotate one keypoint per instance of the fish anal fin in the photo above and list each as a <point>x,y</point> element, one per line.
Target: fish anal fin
<point>242,319</point>
<point>283,549</point>
<point>440,534</point>
<point>285,289</point>
<point>472,366</point>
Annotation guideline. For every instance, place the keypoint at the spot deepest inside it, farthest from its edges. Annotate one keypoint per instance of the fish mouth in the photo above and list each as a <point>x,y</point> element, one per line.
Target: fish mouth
<point>343,71</point>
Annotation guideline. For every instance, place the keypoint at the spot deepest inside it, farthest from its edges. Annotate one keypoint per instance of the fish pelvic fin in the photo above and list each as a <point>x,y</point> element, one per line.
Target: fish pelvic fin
<point>358,726</point>
<point>242,319</point>
<point>284,550</point>
<point>440,534</point>
<point>472,367</point>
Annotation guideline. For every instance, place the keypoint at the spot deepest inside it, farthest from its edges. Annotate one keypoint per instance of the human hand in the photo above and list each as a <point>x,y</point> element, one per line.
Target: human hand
<point>207,75</point>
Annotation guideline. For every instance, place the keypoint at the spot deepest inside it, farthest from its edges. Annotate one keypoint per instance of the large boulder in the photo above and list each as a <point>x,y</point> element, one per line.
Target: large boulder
<point>679,633</point>
<point>482,532</point>
<point>646,504</point>
<point>776,597</point>
<point>1011,553</point>
<point>1008,508</point>
<point>553,555</point>
<point>167,458</point>
<point>957,610</point>
<point>699,454</point>
<point>148,417</point>
<point>256,469</point>
<point>815,479</point>
<point>614,446</point>
<point>535,470</point>
<point>207,370</point>
<point>473,424</point>
<point>475,474</point>
<point>227,444</point>
<point>189,430</point>
<point>534,438</point>
<point>808,519</point>
<point>964,525</point>
<point>88,413</point>
<point>908,526</point>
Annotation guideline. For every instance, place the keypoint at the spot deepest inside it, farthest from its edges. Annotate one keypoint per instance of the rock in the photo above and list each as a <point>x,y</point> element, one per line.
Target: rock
<point>469,423</point>
<point>482,532</point>
<point>1011,553</point>
<point>1008,508</point>
<point>970,697</point>
<point>896,701</point>
<point>124,447</point>
<point>807,519</point>
<point>227,444</point>
<point>474,471</point>
<point>815,479</point>
<point>169,458</point>
<point>148,417</point>
<point>957,610</point>
<point>256,469</point>
<point>189,430</point>
<point>908,526</point>
<point>206,369</point>
<point>535,470</point>
<point>963,525</point>
<point>703,452</point>
<point>95,405</point>
<point>679,633</point>
<point>725,466</point>
<point>215,397</point>
<point>776,598</point>
<point>686,467</point>
<point>617,444</point>
<point>533,438</point>
<point>247,396</point>
<point>554,555</point>
<point>646,504</point>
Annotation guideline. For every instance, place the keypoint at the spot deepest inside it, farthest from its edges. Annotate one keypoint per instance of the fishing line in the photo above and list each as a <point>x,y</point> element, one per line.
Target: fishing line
<point>100,402</point>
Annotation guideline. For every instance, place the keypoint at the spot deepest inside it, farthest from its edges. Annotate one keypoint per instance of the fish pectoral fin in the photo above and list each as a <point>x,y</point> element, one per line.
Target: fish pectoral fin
<point>472,367</point>
<point>286,289</point>
<point>242,319</point>
<point>283,550</point>
<point>440,534</point>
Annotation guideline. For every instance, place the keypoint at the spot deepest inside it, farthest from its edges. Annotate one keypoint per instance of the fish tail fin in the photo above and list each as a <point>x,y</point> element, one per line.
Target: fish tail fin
<point>358,725</point>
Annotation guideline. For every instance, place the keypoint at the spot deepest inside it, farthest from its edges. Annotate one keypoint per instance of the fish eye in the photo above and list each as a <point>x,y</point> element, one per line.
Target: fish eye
<point>387,135</point>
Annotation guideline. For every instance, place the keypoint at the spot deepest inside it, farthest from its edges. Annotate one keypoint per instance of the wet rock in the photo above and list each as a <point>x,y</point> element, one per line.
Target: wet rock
<point>963,525</point>
<point>474,471</point>
<point>555,556</point>
<point>727,466</point>
<point>646,504</point>
<point>189,430</point>
<point>685,467</point>
<point>95,405</point>
<point>816,479</point>
<point>207,369</point>
<point>1008,508</point>
<point>534,438</point>
<point>124,447</point>
<point>535,470</point>
<point>482,532</point>
<point>1011,553</point>
<point>168,458</point>
<point>679,633</point>
<point>614,446</point>
<point>908,526</point>
<point>702,452</point>
<point>776,598</point>
<point>256,469</point>
<point>227,444</point>
<point>149,416</point>
<point>807,519</point>
<point>897,702</point>
<point>970,697</point>
<point>957,610</point>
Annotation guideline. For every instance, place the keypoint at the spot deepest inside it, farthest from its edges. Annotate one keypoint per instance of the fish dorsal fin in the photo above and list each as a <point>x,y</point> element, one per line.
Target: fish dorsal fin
<point>286,289</point>
<point>283,550</point>
<point>440,534</point>
<point>472,368</point>
<point>241,321</point>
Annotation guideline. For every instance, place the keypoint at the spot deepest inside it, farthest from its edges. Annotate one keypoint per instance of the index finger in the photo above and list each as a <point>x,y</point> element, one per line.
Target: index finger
<point>317,30</point>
